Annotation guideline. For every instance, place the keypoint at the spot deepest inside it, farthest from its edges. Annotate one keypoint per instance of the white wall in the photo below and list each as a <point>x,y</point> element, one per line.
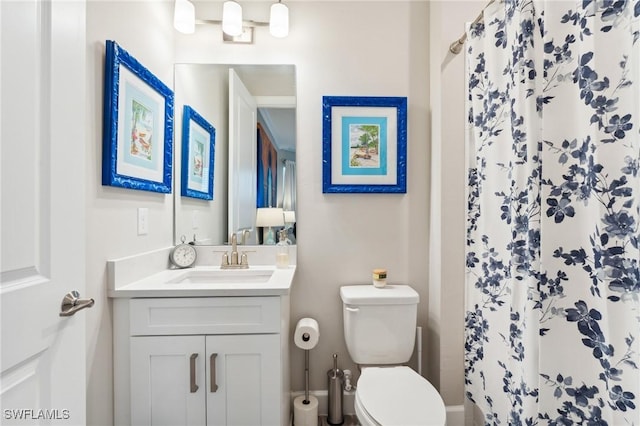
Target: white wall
<point>338,49</point>
<point>210,217</point>
<point>448,204</point>
<point>354,48</point>
<point>144,29</point>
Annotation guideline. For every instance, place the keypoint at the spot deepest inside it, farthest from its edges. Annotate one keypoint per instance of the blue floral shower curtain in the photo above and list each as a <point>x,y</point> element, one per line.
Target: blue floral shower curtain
<point>553,261</point>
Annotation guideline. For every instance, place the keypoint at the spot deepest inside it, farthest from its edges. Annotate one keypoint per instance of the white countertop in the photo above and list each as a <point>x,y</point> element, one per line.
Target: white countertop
<point>159,285</point>
<point>149,275</point>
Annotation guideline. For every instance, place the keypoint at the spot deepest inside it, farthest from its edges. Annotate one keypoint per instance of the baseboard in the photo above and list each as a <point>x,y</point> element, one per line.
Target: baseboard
<point>455,415</point>
<point>323,398</point>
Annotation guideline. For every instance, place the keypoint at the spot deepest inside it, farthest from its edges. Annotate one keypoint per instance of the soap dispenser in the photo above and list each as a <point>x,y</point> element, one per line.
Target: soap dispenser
<point>282,250</point>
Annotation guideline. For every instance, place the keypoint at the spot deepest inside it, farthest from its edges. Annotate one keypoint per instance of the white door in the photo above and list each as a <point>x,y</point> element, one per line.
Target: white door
<point>42,135</point>
<point>243,380</point>
<point>243,118</point>
<point>168,380</point>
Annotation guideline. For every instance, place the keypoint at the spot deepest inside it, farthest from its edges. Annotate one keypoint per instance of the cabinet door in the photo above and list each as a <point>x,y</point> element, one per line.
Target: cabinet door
<point>163,391</point>
<point>243,380</point>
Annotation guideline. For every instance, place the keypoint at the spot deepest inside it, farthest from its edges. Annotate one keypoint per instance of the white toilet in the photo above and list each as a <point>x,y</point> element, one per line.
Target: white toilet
<point>380,330</point>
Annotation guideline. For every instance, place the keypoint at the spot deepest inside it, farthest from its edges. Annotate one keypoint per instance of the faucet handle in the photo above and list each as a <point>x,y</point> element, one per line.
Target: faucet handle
<point>225,257</point>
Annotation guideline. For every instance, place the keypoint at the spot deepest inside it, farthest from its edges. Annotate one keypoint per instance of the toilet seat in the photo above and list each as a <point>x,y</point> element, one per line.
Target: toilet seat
<point>397,396</point>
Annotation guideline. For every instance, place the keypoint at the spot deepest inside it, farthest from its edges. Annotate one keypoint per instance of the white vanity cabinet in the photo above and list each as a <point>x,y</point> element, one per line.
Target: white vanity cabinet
<point>197,380</point>
<point>201,361</point>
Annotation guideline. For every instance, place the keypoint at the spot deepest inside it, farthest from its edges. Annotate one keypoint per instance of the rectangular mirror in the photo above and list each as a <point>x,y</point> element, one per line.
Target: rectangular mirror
<point>253,110</point>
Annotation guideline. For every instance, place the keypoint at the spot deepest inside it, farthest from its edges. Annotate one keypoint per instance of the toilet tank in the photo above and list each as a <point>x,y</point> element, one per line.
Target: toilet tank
<point>379,323</point>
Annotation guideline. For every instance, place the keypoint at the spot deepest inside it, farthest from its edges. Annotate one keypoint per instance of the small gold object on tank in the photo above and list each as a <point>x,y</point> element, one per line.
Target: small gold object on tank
<point>379,277</point>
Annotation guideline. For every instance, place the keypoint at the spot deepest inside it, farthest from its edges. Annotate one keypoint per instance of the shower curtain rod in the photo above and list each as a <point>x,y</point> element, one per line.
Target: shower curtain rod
<point>456,46</point>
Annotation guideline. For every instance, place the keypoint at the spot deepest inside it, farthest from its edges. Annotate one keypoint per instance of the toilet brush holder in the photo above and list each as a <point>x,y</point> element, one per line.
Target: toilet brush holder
<point>335,378</point>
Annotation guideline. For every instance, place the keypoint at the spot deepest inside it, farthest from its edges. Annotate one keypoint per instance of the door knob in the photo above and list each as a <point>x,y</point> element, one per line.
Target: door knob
<point>71,303</point>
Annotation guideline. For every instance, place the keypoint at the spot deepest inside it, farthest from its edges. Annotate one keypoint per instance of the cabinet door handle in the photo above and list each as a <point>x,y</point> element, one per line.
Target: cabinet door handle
<point>212,368</point>
<point>192,373</point>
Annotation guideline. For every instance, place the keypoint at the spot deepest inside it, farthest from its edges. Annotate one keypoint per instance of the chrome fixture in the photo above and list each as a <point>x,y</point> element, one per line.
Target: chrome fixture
<point>71,303</point>
<point>184,19</point>
<point>244,234</point>
<point>456,46</point>
<point>234,261</point>
<point>193,386</point>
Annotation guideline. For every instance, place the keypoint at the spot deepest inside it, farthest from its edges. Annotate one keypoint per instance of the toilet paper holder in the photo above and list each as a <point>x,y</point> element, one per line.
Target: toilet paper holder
<point>306,377</point>
<point>306,334</point>
<point>306,337</point>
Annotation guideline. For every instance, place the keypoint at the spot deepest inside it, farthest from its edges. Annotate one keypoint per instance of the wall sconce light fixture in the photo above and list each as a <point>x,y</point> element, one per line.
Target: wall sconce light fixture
<point>279,20</point>
<point>184,19</point>
<point>232,18</point>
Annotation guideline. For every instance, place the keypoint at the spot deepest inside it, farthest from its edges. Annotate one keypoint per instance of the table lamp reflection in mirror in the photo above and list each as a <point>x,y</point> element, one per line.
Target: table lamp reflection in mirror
<point>267,218</point>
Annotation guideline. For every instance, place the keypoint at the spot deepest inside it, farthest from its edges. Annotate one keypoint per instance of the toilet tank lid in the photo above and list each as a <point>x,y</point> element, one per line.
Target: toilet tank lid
<point>387,295</point>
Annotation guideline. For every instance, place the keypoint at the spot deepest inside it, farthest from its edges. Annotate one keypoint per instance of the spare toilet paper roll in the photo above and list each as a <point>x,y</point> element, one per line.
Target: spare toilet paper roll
<point>305,414</point>
<point>306,334</point>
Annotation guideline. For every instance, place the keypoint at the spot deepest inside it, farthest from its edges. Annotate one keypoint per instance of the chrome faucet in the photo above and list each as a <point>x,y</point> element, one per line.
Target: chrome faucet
<point>234,261</point>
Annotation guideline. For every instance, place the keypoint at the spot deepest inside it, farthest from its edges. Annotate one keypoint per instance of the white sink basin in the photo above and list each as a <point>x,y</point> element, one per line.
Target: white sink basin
<point>219,276</point>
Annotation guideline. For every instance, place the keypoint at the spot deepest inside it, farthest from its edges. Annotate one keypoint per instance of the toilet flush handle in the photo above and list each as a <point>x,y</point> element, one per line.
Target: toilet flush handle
<point>350,309</point>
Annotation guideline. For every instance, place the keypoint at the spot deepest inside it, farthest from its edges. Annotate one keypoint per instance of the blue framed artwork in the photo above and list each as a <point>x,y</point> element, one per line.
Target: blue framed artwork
<point>138,125</point>
<point>364,144</point>
<point>198,153</point>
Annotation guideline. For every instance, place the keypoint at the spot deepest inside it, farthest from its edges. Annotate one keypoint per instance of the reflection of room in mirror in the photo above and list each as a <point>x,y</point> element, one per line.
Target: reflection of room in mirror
<point>267,169</point>
<point>290,225</point>
<point>270,219</point>
<point>206,88</point>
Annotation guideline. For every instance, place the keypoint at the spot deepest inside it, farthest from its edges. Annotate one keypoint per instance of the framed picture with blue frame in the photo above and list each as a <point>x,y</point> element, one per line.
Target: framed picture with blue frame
<point>138,125</point>
<point>198,155</point>
<point>364,144</point>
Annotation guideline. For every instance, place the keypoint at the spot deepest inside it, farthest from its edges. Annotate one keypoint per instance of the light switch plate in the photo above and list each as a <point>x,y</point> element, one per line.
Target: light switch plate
<point>195,223</point>
<point>143,221</point>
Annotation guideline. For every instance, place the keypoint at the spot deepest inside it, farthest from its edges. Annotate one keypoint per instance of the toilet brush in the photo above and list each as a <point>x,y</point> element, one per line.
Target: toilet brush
<point>335,376</point>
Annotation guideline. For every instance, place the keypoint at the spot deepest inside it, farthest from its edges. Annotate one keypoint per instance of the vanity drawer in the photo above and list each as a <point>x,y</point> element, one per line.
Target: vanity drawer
<point>204,315</point>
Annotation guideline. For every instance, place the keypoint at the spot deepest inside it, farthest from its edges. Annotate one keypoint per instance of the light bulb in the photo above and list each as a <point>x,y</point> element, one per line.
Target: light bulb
<point>279,20</point>
<point>184,17</point>
<point>232,18</point>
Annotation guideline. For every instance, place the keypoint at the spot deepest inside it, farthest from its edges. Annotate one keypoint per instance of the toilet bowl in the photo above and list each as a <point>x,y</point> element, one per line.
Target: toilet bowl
<point>397,396</point>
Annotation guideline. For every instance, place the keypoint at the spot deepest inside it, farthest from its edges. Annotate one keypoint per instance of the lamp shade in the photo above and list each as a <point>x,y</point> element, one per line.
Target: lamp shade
<point>184,17</point>
<point>270,216</point>
<point>289,216</point>
<point>232,18</point>
<point>279,20</point>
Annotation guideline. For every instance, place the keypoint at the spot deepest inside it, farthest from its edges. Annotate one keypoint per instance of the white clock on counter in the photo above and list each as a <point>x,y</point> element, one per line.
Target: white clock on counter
<point>183,255</point>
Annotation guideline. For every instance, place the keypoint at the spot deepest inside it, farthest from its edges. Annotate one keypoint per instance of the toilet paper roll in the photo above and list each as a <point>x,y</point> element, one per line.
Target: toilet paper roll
<point>305,414</point>
<point>306,334</point>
